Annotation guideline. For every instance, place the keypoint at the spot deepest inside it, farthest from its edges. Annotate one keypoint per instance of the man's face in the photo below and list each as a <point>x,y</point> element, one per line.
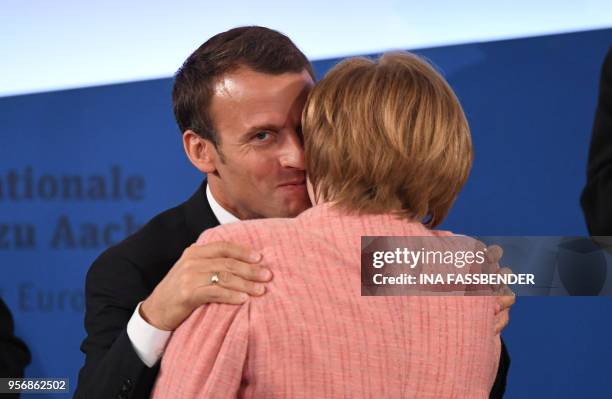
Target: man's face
<point>260,159</point>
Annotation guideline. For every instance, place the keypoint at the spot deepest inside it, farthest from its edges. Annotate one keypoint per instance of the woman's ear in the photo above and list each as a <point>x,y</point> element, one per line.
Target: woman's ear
<point>201,152</point>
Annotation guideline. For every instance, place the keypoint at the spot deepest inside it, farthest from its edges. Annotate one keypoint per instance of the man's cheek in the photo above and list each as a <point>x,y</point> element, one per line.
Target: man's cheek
<point>259,179</point>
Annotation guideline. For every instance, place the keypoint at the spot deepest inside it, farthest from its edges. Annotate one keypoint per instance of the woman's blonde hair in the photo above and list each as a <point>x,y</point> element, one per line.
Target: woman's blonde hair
<point>387,136</point>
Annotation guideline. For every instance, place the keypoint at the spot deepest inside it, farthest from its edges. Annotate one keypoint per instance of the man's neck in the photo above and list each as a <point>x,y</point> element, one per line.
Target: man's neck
<point>223,215</point>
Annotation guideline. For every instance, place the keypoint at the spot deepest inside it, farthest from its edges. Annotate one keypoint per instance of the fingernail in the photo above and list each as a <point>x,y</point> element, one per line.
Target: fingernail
<point>260,288</point>
<point>255,257</point>
<point>265,274</point>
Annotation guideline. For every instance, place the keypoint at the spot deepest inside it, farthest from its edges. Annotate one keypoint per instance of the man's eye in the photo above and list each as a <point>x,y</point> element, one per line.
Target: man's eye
<point>261,136</point>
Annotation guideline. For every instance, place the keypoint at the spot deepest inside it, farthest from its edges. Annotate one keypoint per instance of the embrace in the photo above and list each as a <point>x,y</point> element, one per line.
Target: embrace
<point>251,288</point>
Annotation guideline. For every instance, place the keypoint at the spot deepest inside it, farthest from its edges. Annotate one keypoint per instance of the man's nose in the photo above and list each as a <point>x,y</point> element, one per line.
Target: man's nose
<point>293,152</point>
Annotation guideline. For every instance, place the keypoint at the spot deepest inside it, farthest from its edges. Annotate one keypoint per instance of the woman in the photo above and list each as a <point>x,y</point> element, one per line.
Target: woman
<point>386,147</point>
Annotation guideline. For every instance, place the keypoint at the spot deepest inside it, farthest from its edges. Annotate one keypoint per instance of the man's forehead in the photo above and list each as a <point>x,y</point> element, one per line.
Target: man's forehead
<point>245,84</point>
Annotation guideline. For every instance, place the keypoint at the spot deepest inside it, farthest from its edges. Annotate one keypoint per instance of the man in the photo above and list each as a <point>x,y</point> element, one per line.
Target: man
<point>597,193</point>
<point>14,354</point>
<point>238,101</point>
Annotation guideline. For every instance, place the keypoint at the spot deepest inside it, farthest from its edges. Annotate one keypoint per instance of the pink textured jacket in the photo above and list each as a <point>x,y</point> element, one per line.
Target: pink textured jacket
<point>313,335</point>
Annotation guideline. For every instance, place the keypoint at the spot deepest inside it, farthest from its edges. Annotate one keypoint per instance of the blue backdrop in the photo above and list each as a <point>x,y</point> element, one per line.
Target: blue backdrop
<point>80,169</point>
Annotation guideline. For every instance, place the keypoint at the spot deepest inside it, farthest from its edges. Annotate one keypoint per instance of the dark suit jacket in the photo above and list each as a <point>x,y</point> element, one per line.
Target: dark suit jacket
<point>125,275</point>
<point>14,354</point>
<point>596,197</point>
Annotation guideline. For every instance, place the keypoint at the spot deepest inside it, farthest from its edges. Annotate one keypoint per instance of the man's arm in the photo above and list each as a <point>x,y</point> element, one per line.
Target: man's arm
<point>206,354</point>
<point>14,354</point>
<point>505,300</point>
<point>113,367</point>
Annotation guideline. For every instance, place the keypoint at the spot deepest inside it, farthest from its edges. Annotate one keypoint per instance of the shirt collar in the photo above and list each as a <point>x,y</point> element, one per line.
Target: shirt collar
<point>222,215</point>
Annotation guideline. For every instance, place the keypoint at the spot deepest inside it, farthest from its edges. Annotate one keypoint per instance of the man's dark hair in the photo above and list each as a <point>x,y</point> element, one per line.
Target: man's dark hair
<point>260,49</point>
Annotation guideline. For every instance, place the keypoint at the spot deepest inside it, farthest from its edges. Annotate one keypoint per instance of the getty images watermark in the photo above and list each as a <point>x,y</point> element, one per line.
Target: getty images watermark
<point>461,265</point>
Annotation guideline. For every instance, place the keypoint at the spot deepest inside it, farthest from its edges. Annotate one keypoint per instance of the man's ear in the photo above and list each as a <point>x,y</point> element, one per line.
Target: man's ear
<point>201,152</point>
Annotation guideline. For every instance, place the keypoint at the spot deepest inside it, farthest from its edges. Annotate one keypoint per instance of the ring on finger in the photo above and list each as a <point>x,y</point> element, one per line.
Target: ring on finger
<point>214,278</point>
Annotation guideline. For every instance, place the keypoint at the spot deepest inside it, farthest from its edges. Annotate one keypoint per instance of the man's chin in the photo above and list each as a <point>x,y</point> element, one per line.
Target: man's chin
<point>293,207</point>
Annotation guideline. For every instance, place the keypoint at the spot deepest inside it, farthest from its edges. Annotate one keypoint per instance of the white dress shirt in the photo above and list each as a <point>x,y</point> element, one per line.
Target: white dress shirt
<point>149,342</point>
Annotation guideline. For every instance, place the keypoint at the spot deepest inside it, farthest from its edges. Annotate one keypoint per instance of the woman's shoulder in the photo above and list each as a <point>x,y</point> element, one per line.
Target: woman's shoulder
<point>246,231</point>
